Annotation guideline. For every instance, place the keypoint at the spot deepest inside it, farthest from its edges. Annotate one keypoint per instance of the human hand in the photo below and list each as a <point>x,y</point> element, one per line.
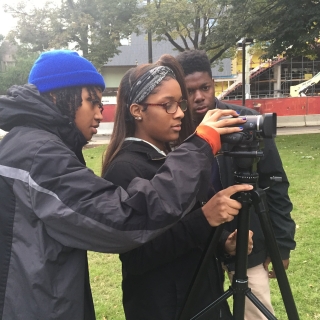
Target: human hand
<point>223,126</point>
<point>230,245</point>
<point>272,274</point>
<point>221,208</point>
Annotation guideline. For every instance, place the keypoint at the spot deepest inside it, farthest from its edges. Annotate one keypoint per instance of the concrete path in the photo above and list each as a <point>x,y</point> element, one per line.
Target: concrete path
<point>105,129</point>
<point>297,130</point>
<point>105,138</point>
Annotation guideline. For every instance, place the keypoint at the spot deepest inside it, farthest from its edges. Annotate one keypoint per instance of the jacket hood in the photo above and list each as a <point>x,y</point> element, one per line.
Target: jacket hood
<point>24,106</point>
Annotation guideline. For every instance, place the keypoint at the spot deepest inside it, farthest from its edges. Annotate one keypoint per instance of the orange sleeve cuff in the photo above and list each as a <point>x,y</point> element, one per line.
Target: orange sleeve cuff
<point>211,136</point>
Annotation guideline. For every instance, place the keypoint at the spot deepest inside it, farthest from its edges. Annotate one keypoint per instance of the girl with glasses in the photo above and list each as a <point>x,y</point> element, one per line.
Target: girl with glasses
<point>152,117</point>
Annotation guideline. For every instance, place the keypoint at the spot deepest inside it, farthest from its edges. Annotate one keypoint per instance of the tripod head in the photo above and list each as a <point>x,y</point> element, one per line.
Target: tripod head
<point>245,146</point>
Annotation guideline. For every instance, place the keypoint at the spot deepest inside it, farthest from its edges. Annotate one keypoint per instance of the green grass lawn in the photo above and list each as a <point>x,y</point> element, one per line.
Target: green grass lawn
<point>301,159</point>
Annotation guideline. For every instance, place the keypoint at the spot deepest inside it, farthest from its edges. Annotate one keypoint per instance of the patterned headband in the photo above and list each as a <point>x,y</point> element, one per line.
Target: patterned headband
<point>147,82</point>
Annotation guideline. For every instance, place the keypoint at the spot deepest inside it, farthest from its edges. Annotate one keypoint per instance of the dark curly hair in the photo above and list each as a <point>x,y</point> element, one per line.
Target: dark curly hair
<point>69,100</point>
<point>194,61</point>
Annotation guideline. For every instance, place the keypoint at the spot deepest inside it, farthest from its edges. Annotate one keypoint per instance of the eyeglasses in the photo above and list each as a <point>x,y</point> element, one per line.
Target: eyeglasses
<point>171,106</point>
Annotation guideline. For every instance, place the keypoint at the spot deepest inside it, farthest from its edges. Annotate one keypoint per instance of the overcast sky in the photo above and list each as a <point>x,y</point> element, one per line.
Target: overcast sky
<point>6,21</point>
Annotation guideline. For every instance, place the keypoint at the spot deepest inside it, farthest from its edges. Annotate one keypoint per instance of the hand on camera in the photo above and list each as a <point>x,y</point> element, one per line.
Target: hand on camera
<point>223,126</point>
<point>230,245</point>
<point>221,208</point>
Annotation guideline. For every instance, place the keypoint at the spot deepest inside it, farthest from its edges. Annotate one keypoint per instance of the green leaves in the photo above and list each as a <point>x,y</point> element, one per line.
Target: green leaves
<point>96,27</point>
<point>295,28</point>
<point>18,73</point>
<point>93,26</point>
<point>286,26</point>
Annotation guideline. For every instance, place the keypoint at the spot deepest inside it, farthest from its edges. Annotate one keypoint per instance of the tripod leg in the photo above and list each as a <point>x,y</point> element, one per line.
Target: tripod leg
<point>260,305</point>
<point>214,304</point>
<point>260,204</point>
<point>240,279</point>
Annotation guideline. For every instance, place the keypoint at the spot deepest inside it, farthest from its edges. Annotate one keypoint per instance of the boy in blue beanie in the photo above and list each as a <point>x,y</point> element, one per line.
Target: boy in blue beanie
<point>53,209</point>
<point>70,81</point>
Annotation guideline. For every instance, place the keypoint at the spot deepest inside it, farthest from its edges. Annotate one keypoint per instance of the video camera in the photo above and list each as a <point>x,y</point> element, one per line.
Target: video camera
<point>245,146</point>
<point>256,128</point>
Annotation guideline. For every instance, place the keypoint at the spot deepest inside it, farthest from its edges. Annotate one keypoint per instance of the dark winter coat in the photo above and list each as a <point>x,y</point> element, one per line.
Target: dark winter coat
<point>278,201</point>
<point>157,275</point>
<point>53,208</point>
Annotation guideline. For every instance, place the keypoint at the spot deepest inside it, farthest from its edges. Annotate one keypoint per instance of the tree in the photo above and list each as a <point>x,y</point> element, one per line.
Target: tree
<point>212,25</point>
<point>18,73</point>
<point>288,26</point>
<point>295,28</point>
<point>93,26</point>
<point>1,46</point>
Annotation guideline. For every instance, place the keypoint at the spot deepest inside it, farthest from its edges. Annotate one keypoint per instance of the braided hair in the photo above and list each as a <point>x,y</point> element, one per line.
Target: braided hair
<point>69,100</point>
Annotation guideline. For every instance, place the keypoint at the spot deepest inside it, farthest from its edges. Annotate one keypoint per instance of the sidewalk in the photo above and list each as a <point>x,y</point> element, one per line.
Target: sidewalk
<point>105,138</point>
<point>105,130</point>
<point>297,130</point>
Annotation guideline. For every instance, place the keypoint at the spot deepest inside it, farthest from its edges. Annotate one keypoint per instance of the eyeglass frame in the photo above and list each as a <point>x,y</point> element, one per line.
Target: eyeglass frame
<point>163,105</point>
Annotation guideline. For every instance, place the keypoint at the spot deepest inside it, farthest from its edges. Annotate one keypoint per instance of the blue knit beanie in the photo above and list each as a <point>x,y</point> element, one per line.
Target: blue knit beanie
<point>61,69</point>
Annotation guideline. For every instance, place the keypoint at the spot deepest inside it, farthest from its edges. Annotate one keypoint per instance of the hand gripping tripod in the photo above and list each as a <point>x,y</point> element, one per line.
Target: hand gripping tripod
<point>239,289</point>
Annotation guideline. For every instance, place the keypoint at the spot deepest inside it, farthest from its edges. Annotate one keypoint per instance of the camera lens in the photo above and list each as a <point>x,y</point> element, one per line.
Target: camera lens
<point>265,124</point>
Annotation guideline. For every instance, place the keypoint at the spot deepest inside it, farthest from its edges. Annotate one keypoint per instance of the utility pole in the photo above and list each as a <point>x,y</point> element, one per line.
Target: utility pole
<point>245,71</point>
<point>149,42</point>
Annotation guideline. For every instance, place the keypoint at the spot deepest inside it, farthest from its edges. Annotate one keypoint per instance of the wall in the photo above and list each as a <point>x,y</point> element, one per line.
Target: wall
<point>113,75</point>
<point>283,107</point>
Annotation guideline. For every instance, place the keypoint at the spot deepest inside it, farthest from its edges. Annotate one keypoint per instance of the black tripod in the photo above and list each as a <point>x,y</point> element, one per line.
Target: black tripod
<point>245,161</point>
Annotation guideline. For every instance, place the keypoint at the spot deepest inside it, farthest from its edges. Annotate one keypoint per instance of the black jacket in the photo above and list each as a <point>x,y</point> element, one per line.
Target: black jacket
<point>157,275</point>
<point>278,200</point>
<point>53,208</point>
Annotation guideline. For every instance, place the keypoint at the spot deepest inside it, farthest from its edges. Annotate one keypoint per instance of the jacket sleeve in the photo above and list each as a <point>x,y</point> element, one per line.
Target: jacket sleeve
<point>190,232</point>
<point>278,200</point>
<point>81,210</point>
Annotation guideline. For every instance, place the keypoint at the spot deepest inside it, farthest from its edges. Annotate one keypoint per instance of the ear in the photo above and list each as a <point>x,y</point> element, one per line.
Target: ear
<point>136,111</point>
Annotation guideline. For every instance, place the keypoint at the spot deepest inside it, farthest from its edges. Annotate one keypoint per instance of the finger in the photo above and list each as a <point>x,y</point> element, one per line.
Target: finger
<point>272,274</point>
<point>232,235</point>
<point>233,207</point>
<point>216,114</point>
<point>234,204</point>
<point>209,115</point>
<point>228,130</point>
<point>236,188</point>
<point>228,218</point>
<point>266,263</point>
<point>230,122</point>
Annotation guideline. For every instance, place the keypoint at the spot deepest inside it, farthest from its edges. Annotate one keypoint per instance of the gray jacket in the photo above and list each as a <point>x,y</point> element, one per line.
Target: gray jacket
<point>53,208</point>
